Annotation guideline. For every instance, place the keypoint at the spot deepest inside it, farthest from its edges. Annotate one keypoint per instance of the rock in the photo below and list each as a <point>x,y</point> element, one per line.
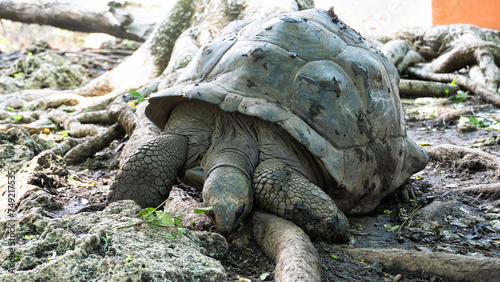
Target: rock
<point>17,147</point>
<point>45,70</point>
<point>34,183</point>
<point>98,247</point>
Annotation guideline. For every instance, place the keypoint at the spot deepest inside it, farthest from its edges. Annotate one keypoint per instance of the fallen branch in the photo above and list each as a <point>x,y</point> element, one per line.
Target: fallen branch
<point>448,267</point>
<point>476,88</point>
<point>124,20</point>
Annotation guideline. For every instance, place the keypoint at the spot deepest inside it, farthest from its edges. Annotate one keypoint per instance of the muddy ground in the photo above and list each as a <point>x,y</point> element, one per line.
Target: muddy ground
<point>438,220</point>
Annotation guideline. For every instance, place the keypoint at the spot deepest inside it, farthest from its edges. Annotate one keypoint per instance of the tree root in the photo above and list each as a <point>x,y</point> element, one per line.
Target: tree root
<point>451,116</point>
<point>93,117</point>
<point>71,124</point>
<point>118,111</point>
<point>475,87</point>
<point>468,158</point>
<point>448,267</point>
<point>94,144</point>
<point>295,256</point>
<point>67,145</point>
<point>421,88</point>
<point>483,191</point>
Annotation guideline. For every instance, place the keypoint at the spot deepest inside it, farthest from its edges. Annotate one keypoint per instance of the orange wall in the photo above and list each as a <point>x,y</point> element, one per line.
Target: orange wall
<point>483,13</point>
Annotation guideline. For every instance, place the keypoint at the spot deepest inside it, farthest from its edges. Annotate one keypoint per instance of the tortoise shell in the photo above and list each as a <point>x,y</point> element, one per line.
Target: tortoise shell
<point>315,77</point>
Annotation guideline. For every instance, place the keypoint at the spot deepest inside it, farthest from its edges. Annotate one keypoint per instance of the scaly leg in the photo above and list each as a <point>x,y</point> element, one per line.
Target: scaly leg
<point>150,171</point>
<point>283,191</point>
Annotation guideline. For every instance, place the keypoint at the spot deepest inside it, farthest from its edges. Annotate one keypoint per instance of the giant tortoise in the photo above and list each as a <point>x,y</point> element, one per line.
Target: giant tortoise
<point>292,113</point>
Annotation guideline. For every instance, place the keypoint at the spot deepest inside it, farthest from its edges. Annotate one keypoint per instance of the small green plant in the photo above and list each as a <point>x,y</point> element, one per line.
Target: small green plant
<point>105,63</point>
<point>459,97</point>
<point>334,257</point>
<point>138,96</point>
<point>387,212</point>
<point>64,133</point>
<point>16,75</point>
<point>129,258</point>
<point>29,56</point>
<point>27,238</point>
<point>17,118</point>
<point>107,243</point>
<point>10,109</point>
<point>390,228</point>
<point>263,276</point>
<point>158,218</point>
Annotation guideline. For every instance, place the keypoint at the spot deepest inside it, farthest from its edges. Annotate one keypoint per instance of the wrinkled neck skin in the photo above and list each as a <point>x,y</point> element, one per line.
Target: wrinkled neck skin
<point>223,151</point>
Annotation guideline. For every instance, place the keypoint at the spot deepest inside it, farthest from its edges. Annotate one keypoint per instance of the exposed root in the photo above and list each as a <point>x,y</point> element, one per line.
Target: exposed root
<point>451,116</point>
<point>93,117</point>
<point>468,158</point>
<point>475,87</point>
<point>94,144</point>
<point>70,123</point>
<point>485,191</point>
<point>120,112</point>
<point>67,145</point>
<point>420,88</point>
<point>295,256</point>
<point>448,267</point>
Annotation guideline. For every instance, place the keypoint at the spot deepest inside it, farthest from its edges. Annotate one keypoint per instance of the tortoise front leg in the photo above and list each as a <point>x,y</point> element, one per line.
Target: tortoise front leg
<point>150,171</point>
<point>283,191</point>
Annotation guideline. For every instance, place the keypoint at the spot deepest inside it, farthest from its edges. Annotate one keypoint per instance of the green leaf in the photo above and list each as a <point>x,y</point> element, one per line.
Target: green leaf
<point>29,56</point>
<point>201,210</point>
<point>135,94</point>
<point>387,211</point>
<point>17,118</point>
<point>459,97</point>
<point>10,109</point>
<point>145,212</point>
<point>334,256</point>
<point>129,258</point>
<point>64,133</point>
<point>263,276</point>
<point>166,219</point>
<point>389,228</point>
